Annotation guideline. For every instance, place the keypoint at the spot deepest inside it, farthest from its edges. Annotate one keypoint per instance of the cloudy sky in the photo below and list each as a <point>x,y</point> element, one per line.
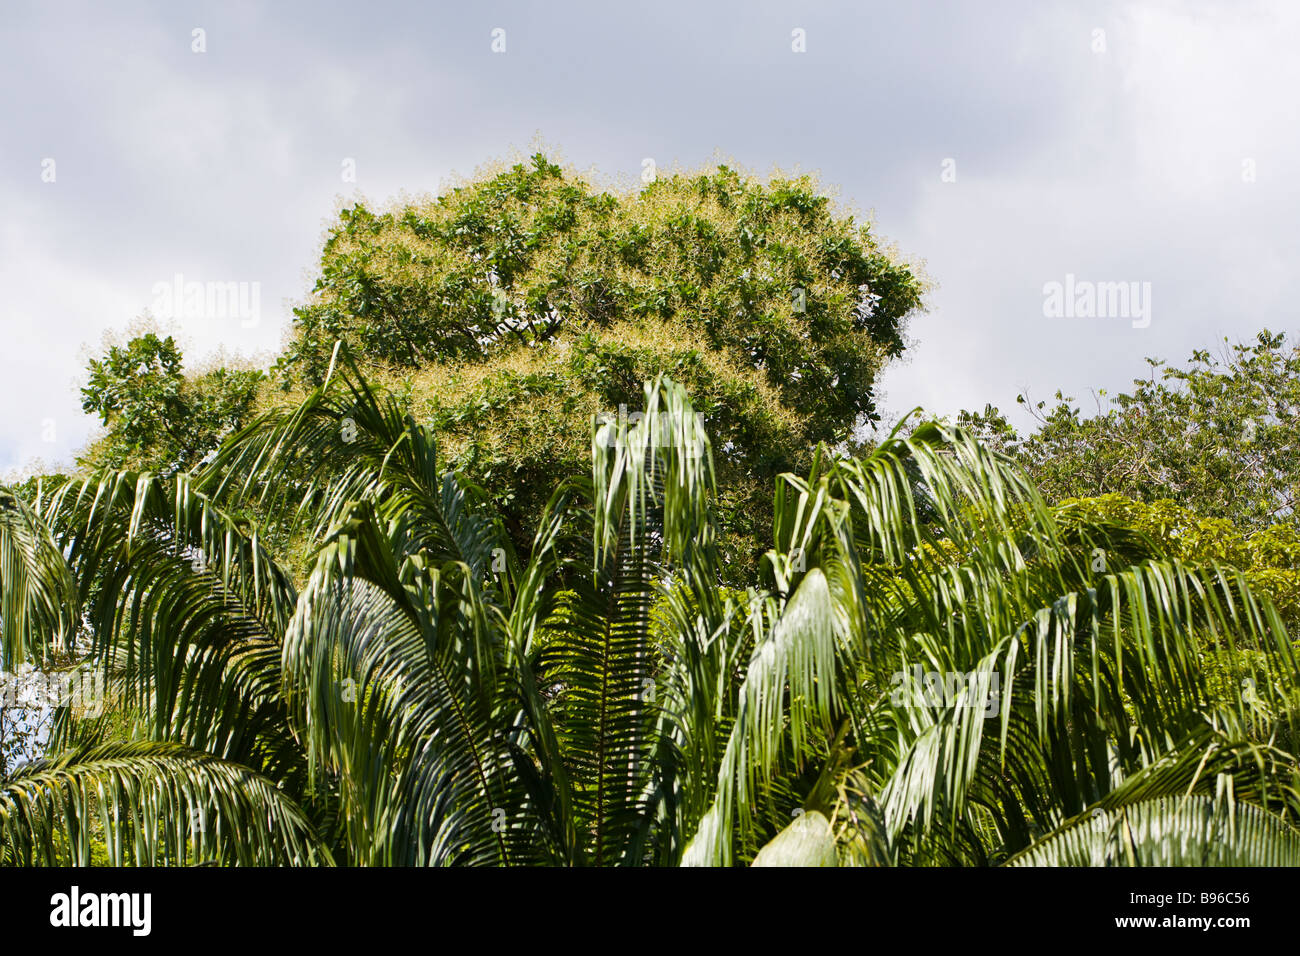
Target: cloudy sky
<point>1004,145</point>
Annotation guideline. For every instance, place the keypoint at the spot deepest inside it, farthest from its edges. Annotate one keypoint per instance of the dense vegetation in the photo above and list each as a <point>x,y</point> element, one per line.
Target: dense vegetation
<point>415,597</point>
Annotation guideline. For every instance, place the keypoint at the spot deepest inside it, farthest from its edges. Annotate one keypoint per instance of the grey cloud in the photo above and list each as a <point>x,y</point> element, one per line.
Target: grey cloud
<point>224,166</point>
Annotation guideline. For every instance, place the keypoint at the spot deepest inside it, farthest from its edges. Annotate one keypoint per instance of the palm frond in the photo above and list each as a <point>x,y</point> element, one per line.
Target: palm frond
<point>187,611</point>
<point>394,665</point>
<point>149,804</point>
<point>1169,831</point>
<point>38,594</point>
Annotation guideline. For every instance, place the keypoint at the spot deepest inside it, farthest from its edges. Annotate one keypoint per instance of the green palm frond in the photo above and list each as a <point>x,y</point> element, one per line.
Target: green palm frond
<point>395,666</point>
<point>1083,702</point>
<point>344,444</point>
<point>1169,831</point>
<point>789,691</point>
<point>187,612</point>
<point>38,593</point>
<point>650,477</point>
<point>149,804</point>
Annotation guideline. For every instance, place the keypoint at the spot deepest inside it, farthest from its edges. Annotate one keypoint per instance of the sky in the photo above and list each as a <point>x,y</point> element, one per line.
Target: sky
<point>1020,153</point>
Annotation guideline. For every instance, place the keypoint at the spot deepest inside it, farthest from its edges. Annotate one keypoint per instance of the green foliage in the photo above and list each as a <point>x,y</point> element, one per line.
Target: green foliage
<point>514,310</point>
<point>1221,437</point>
<point>157,417</point>
<point>1127,531</point>
<point>531,253</point>
<point>150,804</point>
<point>36,617</point>
<point>1269,557</point>
<point>1170,831</point>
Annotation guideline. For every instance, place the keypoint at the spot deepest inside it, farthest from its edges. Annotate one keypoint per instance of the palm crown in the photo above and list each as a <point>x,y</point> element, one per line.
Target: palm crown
<point>933,667</point>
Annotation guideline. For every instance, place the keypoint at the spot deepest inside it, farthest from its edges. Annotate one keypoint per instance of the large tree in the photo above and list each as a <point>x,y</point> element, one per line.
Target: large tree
<point>511,311</point>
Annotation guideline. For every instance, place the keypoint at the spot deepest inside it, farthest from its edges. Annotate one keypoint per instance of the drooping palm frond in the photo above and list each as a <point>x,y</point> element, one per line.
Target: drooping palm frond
<point>828,618</point>
<point>395,665</point>
<point>187,612</point>
<point>1077,709</point>
<point>1169,831</point>
<point>149,804</point>
<point>37,590</point>
<point>941,562</point>
<point>789,691</point>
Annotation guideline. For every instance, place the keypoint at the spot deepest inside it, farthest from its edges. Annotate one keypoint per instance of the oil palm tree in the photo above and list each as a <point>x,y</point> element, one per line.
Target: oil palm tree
<point>931,666</point>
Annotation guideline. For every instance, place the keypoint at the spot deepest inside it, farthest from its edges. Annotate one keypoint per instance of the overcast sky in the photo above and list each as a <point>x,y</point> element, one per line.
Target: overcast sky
<point>1004,145</point>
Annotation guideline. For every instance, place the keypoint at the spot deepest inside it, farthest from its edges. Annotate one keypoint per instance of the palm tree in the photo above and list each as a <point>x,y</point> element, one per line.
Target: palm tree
<point>932,666</point>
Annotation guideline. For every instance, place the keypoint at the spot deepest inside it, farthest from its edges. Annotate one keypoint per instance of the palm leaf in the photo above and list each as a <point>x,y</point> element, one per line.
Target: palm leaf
<point>148,804</point>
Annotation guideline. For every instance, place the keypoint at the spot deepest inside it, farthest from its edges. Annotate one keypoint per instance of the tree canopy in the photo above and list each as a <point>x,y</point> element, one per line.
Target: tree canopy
<point>512,311</point>
<point>548,540</point>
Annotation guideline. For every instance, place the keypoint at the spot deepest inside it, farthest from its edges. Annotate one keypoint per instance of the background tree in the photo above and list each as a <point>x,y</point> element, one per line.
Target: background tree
<point>157,417</point>
<point>1220,437</point>
<point>512,311</point>
<point>1268,557</point>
